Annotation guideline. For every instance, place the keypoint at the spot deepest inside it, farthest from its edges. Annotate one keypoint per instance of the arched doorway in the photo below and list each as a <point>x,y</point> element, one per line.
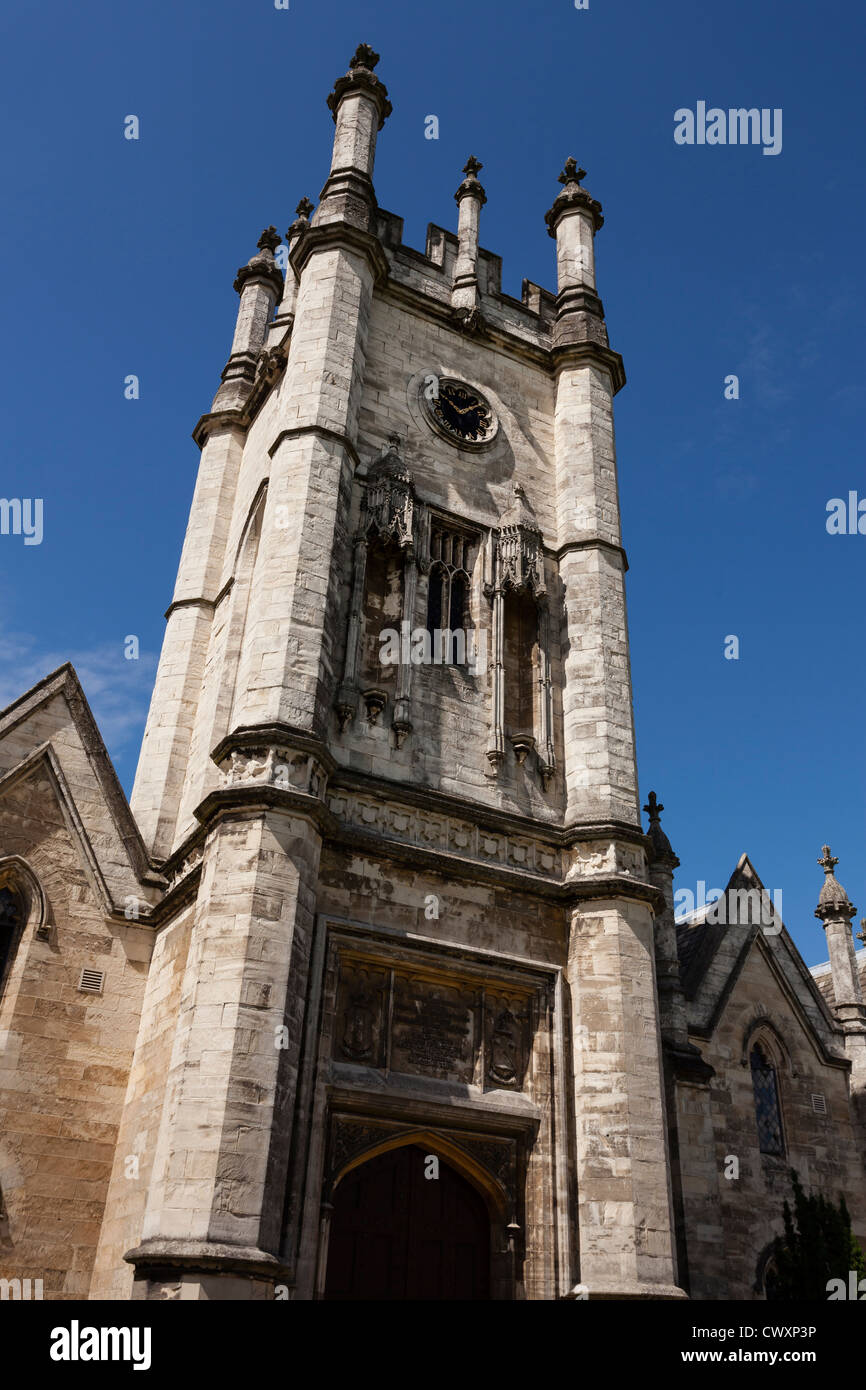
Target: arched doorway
<point>396,1234</point>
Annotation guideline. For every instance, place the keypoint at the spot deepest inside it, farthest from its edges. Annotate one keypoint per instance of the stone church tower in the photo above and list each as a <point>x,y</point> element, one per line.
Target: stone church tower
<point>391,1001</point>
<point>425,879</point>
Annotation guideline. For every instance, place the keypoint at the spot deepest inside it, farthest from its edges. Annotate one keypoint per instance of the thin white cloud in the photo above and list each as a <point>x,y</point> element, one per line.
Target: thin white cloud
<point>118,691</point>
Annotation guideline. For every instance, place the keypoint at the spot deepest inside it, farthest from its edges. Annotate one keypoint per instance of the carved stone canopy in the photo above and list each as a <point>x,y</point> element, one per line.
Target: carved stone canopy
<point>390,501</point>
<point>519,547</point>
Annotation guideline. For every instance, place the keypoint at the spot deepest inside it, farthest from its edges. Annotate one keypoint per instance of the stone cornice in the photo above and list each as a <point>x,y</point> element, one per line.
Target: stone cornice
<point>573,199</point>
<point>580,354</point>
<point>213,420</point>
<point>210,603</point>
<point>363,81</point>
<point>267,367</point>
<point>589,543</point>
<point>344,234</point>
<point>285,772</point>
<point>323,432</point>
<point>259,274</point>
<point>278,735</point>
<point>287,769</point>
<point>205,1257</point>
<point>243,802</point>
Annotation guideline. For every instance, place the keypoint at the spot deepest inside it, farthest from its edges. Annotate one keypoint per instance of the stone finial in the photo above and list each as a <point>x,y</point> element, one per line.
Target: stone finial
<point>571,174</point>
<point>861,935</point>
<point>302,219</point>
<point>390,462</point>
<point>470,187</point>
<point>661,845</point>
<point>364,57</point>
<point>827,861</point>
<point>262,266</point>
<point>519,512</point>
<point>832,900</point>
<point>269,240</point>
<point>361,78</point>
<point>573,198</point>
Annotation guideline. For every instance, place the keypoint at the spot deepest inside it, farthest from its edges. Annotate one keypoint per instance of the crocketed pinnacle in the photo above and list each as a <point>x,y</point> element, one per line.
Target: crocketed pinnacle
<point>662,852</point>
<point>832,900</point>
<point>262,265</point>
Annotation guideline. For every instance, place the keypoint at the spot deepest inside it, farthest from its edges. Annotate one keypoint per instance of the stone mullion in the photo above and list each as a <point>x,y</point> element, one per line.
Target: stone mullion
<point>445,617</point>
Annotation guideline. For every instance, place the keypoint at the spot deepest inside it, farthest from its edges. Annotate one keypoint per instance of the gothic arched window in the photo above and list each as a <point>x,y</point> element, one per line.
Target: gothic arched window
<point>11,922</point>
<point>448,596</point>
<point>767,1111</point>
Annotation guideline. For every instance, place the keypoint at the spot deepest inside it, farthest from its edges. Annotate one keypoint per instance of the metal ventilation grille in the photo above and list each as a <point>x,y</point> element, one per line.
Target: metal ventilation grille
<point>91,981</point>
<point>819,1105</point>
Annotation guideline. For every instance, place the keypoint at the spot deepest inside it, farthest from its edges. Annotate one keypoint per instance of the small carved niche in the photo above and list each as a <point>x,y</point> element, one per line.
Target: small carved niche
<point>383,609</point>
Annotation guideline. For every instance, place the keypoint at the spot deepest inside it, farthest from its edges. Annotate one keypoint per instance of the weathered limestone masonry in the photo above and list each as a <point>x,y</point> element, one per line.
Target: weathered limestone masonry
<point>72,868</point>
<point>373,909</point>
<point>622,1176</point>
<point>744,986</point>
<point>302,486</point>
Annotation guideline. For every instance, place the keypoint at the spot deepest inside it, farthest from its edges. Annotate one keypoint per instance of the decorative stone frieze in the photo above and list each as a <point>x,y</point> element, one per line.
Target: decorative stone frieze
<point>274,766</point>
<point>448,834</point>
<point>603,858</point>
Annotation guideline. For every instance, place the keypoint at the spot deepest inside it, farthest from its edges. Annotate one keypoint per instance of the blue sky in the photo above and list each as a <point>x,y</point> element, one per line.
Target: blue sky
<point>119,257</point>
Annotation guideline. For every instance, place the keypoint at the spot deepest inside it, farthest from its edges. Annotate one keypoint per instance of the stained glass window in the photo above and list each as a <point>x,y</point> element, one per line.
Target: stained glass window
<point>766,1102</point>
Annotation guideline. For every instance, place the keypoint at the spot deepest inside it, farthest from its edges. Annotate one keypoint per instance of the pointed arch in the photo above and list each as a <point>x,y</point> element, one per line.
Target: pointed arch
<point>23,904</point>
<point>460,1159</point>
<point>763,1029</point>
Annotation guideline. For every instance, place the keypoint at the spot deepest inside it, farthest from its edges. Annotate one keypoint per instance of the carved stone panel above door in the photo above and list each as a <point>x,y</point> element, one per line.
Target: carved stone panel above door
<point>445,1025</point>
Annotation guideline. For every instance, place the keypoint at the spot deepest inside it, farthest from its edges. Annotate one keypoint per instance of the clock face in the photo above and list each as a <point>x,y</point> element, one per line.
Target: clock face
<point>460,413</point>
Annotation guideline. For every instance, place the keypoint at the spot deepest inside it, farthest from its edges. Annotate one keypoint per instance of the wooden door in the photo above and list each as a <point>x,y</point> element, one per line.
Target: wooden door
<point>396,1234</point>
